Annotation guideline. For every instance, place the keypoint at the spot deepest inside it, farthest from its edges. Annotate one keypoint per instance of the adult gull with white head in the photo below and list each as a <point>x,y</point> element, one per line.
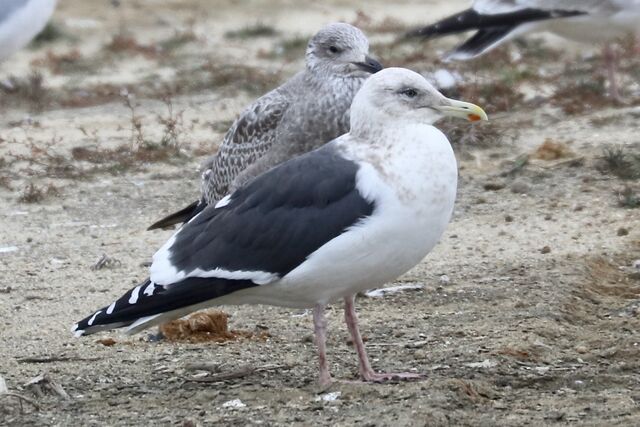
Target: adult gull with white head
<point>349,216</point>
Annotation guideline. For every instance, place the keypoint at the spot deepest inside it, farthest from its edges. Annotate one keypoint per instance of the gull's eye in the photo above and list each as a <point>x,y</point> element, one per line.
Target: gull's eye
<point>409,93</point>
<point>334,49</point>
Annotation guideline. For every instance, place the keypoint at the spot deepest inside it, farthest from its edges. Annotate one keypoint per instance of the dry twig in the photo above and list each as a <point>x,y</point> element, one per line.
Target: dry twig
<point>21,399</point>
<point>54,359</point>
<point>105,261</point>
<point>44,382</point>
<point>240,373</point>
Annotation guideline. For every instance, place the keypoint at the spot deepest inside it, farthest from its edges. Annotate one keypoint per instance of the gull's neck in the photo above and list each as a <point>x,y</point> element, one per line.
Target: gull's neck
<point>321,78</point>
<point>373,126</point>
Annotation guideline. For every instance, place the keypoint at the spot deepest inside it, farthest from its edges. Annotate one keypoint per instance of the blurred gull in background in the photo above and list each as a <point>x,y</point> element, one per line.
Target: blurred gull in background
<point>496,21</point>
<point>20,22</point>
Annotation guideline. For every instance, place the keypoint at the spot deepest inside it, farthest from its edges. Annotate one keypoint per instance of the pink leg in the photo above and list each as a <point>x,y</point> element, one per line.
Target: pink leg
<point>320,331</point>
<point>611,61</point>
<point>366,372</point>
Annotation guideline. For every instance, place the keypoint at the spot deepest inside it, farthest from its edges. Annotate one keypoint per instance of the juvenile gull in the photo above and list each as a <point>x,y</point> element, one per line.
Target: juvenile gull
<point>349,216</point>
<point>21,21</point>
<point>496,21</point>
<point>307,111</point>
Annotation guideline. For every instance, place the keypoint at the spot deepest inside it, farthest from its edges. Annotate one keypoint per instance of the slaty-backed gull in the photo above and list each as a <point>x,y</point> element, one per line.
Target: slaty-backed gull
<point>307,111</point>
<point>496,21</point>
<point>351,215</point>
<point>21,21</point>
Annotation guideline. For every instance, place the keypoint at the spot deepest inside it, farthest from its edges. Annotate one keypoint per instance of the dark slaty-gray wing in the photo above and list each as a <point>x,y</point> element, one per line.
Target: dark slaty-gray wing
<point>273,224</point>
<point>503,23</point>
<point>585,6</point>
<point>267,229</point>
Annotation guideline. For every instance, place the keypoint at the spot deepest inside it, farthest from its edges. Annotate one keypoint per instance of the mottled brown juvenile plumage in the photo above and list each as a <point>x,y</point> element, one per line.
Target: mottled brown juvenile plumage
<point>305,112</point>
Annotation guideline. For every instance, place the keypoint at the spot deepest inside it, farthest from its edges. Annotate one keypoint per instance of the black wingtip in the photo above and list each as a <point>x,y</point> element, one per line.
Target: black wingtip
<point>471,20</point>
<point>180,217</point>
<point>116,315</point>
<point>137,308</point>
<point>463,21</point>
<point>481,42</point>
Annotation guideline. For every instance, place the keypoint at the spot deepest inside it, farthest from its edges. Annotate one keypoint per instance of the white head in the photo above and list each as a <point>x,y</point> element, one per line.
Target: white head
<point>398,94</point>
<point>342,50</point>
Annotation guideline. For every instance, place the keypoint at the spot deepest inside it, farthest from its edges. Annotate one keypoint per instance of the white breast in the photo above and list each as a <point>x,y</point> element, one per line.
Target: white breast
<point>413,185</point>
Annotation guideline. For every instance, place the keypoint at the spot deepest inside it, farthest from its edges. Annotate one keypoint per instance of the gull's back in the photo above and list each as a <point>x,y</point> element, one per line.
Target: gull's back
<point>304,113</point>
<point>291,120</point>
<point>249,137</point>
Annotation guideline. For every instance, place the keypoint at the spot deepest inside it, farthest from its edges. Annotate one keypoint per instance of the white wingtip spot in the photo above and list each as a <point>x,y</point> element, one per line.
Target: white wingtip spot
<point>223,202</point>
<point>74,328</point>
<point>93,318</point>
<point>148,291</point>
<point>79,333</point>
<point>458,56</point>
<point>134,295</point>
<point>111,308</point>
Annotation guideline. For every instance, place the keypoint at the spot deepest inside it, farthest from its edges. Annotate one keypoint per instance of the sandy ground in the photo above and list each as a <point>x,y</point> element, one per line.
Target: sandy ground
<point>527,312</point>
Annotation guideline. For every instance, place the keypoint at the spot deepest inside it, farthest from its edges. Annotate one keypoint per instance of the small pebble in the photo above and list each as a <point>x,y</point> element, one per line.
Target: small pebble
<point>444,79</point>
<point>545,250</point>
<point>581,349</point>
<point>508,218</point>
<point>189,422</point>
<point>520,187</point>
<point>623,231</point>
<point>420,354</point>
<point>108,342</point>
<point>493,186</point>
